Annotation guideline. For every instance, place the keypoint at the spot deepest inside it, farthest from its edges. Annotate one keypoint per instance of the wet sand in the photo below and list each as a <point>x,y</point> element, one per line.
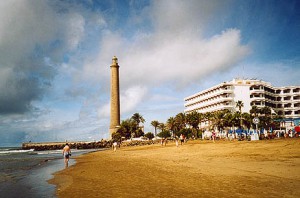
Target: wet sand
<point>197,169</point>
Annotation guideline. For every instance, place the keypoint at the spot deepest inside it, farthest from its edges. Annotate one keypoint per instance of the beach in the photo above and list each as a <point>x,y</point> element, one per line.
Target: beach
<point>24,173</point>
<point>266,168</point>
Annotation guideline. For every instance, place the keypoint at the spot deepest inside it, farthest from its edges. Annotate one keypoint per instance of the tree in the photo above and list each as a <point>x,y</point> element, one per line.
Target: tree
<point>247,120</point>
<point>164,134</point>
<point>208,118</point>
<point>218,118</point>
<point>171,124</point>
<point>155,124</point>
<point>162,127</point>
<point>138,118</point>
<point>149,135</point>
<point>254,111</point>
<point>116,137</point>
<point>126,128</point>
<point>180,121</point>
<point>266,111</point>
<point>265,118</point>
<point>186,132</point>
<point>231,119</point>
<point>193,120</point>
<point>240,104</point>
<point>130,127</point>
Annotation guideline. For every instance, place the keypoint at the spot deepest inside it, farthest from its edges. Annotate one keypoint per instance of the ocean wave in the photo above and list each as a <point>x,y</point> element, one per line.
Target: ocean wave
<point>49,152</point>
<point>8,151</point>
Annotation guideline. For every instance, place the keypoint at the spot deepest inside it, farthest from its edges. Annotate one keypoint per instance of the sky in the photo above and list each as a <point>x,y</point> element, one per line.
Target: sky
<point>55,59</point>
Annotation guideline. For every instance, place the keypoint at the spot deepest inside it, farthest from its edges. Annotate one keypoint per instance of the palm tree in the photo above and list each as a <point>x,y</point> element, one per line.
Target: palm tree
<point>138,119</point>
<point>127,127</point>
<point>240,104</point>
<point>247,120</point>
<point>171,124</point>
<point>266,119</point>
<point>254,111</point>
<point>266,111</point>
<point>162,127</point>
<point>180,121</point>
<point>208,117</point>
<point>155,124</point>
<point>231,119</point>
<point>193,119</point>
<point>218,118</point>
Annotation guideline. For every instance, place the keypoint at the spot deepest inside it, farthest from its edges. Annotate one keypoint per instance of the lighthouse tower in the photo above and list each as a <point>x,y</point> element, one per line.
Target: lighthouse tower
<point>115,97</point>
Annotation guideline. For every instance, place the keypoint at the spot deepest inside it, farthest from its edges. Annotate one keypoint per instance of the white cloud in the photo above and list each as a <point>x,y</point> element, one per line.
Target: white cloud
<point>170,51</point>
<point>173,52</point>
<point>75,30</point>
<point>132,97</point>
<point>129,99</point>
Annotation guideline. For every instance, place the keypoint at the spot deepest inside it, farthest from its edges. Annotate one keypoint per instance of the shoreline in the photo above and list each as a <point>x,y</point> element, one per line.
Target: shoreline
<point>25,173</point>
<point>197,169</point>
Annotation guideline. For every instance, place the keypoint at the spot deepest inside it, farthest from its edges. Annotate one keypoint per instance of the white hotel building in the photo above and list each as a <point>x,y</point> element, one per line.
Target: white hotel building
<point>283,100</point>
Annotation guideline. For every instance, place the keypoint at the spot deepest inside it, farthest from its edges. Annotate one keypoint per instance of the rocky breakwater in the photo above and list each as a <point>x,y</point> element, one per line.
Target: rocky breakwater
<point>60,145</point>
<point>83,145</point>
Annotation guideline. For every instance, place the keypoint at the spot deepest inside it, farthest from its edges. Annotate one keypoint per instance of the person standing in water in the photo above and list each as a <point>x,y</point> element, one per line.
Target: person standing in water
<point>66,153</point>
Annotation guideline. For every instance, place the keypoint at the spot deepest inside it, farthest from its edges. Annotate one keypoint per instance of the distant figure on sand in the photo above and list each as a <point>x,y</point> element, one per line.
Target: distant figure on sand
<point>66,153</point>
<point>166,141</point>
<point>114,146</point>
<point>181,139</point>
<point>162,141</point>
<point>213,135</point>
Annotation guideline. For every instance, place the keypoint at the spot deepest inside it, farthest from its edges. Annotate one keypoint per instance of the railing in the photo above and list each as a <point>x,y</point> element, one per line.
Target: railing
<point>209,97</point>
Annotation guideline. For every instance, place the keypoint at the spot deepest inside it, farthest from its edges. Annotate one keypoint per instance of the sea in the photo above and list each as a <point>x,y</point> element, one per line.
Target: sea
<point>24,173</point>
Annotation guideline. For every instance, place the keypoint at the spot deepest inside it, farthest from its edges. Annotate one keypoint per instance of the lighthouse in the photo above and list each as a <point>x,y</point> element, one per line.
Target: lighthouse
<point>115,97</point>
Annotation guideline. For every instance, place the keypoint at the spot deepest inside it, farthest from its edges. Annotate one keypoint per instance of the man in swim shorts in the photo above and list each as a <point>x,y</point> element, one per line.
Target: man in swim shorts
<point>66,153</point>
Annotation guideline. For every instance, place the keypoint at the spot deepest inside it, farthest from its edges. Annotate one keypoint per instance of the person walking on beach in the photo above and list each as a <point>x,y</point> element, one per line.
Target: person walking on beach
<point>66,153</point>
<point>114,146</point>
<point>181,139</point>
<point>213,136</point>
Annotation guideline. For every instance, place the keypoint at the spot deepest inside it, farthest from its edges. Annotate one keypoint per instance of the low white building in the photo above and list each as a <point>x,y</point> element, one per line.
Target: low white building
<point>283,100</point>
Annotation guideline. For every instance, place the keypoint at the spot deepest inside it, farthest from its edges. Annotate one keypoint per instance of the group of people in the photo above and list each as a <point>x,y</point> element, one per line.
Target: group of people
<point>181,138</point>
<point>247,135</point>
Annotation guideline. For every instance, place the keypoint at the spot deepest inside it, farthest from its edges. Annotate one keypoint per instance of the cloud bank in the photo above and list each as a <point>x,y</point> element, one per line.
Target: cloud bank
<point>59,53</point>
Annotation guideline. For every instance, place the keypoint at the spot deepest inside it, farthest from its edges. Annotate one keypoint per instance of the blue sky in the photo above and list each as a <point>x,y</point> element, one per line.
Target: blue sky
<point>55,58</point>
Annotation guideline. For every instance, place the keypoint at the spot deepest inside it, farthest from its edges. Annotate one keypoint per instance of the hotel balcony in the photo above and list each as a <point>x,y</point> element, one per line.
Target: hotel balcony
<point>286,93</point>
<point>288,99</point>
<point>271,101</point>
<point>208,102</point>
<point>257,99</point>
<point>252,91</point>
<point>296,90</point>
<point>208,94</point>
<point>296,98</point>
<point>217,97</point>
<point>217,108</point>
<point>210,107</point>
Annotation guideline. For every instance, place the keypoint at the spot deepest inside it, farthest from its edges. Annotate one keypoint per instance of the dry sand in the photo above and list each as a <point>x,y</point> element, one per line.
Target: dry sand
<point>196,169</point>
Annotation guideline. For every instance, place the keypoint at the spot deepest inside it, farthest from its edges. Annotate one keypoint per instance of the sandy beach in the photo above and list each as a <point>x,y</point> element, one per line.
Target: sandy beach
<point>197,169</point>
